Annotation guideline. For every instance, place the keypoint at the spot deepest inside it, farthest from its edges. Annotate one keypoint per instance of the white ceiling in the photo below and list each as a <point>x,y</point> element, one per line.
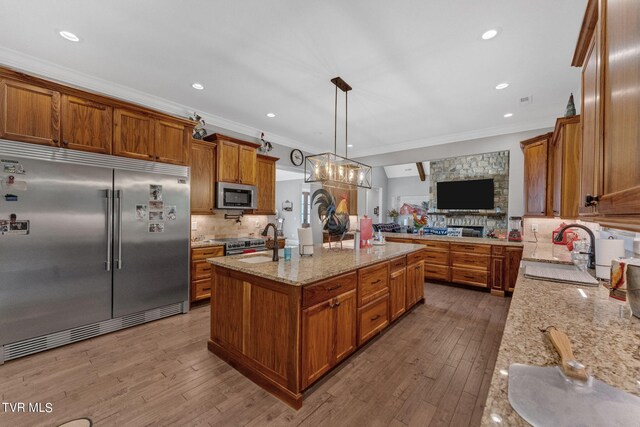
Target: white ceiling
<point>403,171</point>
<point>421,74</point>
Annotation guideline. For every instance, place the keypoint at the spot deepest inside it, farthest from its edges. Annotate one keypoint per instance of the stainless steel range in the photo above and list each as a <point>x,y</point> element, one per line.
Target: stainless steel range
<point>243,245</point>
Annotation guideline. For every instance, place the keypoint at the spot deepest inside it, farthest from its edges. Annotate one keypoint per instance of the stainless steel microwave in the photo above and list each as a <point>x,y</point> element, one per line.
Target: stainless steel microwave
<point>236,196</point>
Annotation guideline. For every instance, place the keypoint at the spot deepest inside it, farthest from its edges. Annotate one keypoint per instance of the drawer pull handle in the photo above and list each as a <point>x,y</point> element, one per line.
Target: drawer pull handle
<point>376,317</point>
<point>333,288</point>
<point>206,289</point>
<point>469,277</point>
<point>376,281</point>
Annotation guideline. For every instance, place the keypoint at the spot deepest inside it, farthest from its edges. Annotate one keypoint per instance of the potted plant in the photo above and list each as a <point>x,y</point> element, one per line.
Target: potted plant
<point>393,214</point>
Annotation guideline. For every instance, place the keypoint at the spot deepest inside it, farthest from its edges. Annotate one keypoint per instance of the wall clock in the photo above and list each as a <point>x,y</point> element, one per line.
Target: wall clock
<point>296,157</point>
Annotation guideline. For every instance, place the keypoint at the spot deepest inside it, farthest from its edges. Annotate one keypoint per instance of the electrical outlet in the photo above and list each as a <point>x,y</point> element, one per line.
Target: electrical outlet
<point>534,228</point>
<point>194,225</point>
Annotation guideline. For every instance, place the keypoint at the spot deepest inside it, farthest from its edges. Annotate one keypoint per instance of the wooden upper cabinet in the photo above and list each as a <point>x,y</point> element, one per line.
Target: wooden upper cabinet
<point>621,134</point>
<point>133,135</point>
<point>247,165</point>
<point>86,125</point>
<point>203,168</point>
<point>591,125</point>
<point>171,142</point>
<point>567,143</point>
<point>29,113</point>
<point>536,175</point>
<point>266,183</point>
<point>228,161</point>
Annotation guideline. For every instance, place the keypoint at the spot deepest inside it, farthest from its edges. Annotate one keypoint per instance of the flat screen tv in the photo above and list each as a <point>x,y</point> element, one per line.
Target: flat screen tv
<point>469,195</point>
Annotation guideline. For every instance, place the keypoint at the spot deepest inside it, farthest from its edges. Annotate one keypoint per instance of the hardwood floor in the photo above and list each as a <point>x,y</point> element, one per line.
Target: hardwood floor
<point>432,369</point>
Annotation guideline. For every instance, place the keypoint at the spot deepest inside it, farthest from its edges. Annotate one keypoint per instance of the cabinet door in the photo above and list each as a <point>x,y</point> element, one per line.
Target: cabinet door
<point>557,172</point>
<point>228,157</point>
<point>621,139</point>
<point>266,183</point>
<point>202,177</point>
<point>133,135</point>
<point>411,296</point>
<point>86,125</point>
<point>29,113</point>
<point>512,266</point>
<point>397,293</point>
<point>345,310</point>
<point>418,282</point>
<point>591,126</point>
<point>317,341</point>
<point>247,165</point>
<point>497,273</point>
<point>570,179</point>
<point>171,142</point>
<point>535,178</point>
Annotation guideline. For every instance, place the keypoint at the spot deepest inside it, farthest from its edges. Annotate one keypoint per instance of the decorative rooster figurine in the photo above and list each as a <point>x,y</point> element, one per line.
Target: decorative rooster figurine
<point>419,223</point>
<point>335,220</point>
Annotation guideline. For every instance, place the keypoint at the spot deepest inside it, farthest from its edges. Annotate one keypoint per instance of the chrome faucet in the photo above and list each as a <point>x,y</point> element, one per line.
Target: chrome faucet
<point>275,239</point>
<point>592,249</point>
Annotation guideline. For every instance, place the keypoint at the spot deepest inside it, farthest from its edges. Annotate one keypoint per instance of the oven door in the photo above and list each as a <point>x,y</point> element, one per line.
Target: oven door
<point>235,196</point>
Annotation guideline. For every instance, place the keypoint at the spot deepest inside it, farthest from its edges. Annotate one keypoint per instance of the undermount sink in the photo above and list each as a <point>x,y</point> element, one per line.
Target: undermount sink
<point>255,259</point>
<point>561,273</point>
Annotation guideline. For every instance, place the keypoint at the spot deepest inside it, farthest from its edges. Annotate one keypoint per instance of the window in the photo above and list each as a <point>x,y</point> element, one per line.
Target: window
<point>305,211</point>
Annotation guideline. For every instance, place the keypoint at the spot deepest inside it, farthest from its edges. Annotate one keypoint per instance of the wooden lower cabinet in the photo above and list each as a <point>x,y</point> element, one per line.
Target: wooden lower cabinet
<point>397,293</point>
<point>201,272</point>
<point>512,267</point>
<point>328,335</point>
<point>373,318</point>
<point>415,283</point>
<point>470,264</point>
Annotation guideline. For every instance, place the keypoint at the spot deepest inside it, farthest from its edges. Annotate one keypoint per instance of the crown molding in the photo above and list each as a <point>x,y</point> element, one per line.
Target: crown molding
<point>455,137</point>
<point>63,75</point>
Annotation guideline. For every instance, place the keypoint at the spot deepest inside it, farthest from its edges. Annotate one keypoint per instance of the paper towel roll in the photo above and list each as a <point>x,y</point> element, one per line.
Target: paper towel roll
<point>305,240</point>
<point>606,251</point>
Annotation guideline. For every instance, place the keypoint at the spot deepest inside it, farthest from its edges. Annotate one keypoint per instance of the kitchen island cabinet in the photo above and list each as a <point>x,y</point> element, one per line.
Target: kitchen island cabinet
<point>286,324</point>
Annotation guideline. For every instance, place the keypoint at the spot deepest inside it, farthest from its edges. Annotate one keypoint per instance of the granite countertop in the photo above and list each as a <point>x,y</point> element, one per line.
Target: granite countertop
<point>323,264</point>
<point>546,252</point>
<point>604,335</point>
<point>478,240</point>
<point>206,244</point>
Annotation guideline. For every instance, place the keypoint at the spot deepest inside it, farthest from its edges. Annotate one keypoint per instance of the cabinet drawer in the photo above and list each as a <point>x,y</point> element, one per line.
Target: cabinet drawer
<point>436,272</point>
<point>435,257</point>
<point>471,248</point>
<point>498,250</point>
<point>373,318</point>
<point>204,253</point>
<point>202,289</point>
<point>415,257</point>
<point>201,270</point>
<point>398,264</point>
<point>459,259</point>
<point>398,240</point>
<point>322,291</point>
<point>432,244</point>
<point>373,282</point>
<point>470,277</point>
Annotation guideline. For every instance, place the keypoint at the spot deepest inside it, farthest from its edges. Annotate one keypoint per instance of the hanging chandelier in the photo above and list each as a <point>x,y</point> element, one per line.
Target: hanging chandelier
<point>330,168</point>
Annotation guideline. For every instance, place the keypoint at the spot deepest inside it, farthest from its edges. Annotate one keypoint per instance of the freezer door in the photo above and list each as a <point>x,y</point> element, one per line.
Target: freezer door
<point>54,278</point>
<point>151,241</point>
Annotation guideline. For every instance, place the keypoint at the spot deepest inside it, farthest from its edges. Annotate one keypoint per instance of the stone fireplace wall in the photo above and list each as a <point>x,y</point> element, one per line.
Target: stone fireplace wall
<point>478,166</point>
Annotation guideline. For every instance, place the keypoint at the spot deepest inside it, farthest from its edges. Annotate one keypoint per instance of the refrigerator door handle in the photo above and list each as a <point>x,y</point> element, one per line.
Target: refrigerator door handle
<point>119,256</point>
<point>109,196</point>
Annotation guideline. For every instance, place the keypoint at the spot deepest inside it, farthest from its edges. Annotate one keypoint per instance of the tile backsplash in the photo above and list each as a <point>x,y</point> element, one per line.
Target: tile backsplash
<point>215,226</point>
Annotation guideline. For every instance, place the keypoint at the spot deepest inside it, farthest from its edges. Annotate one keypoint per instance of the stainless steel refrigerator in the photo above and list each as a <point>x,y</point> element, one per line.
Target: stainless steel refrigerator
<point>88,244</point>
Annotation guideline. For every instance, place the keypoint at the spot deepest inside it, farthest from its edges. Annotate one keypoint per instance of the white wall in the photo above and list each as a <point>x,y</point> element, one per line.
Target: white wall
<point>509,142</point>
<point>408,186</point>
<point>289,190</point>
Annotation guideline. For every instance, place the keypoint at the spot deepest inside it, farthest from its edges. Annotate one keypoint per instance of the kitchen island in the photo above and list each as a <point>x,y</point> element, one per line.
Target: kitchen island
<point>604,335</point>
<point>285,324</point>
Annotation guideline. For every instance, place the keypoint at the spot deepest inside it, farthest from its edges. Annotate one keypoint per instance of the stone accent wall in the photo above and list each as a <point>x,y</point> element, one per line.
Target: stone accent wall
<point>478,166</point>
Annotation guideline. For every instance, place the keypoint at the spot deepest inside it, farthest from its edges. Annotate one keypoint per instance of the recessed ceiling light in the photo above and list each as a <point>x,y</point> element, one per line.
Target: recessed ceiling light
<point>502,86</point>
<point>271,115</point>
<point>197,86</point>
<point>349,145</point>
<point>69,36</point>
<point>508,115</point>
<point>489,34</point>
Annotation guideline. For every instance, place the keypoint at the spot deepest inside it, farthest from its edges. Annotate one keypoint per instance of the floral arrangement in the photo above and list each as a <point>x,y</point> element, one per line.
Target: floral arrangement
<point>393,214</point>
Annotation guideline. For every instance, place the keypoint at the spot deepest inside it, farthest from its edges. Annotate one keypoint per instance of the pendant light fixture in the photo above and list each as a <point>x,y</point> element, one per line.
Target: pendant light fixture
<point>330,168</point>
